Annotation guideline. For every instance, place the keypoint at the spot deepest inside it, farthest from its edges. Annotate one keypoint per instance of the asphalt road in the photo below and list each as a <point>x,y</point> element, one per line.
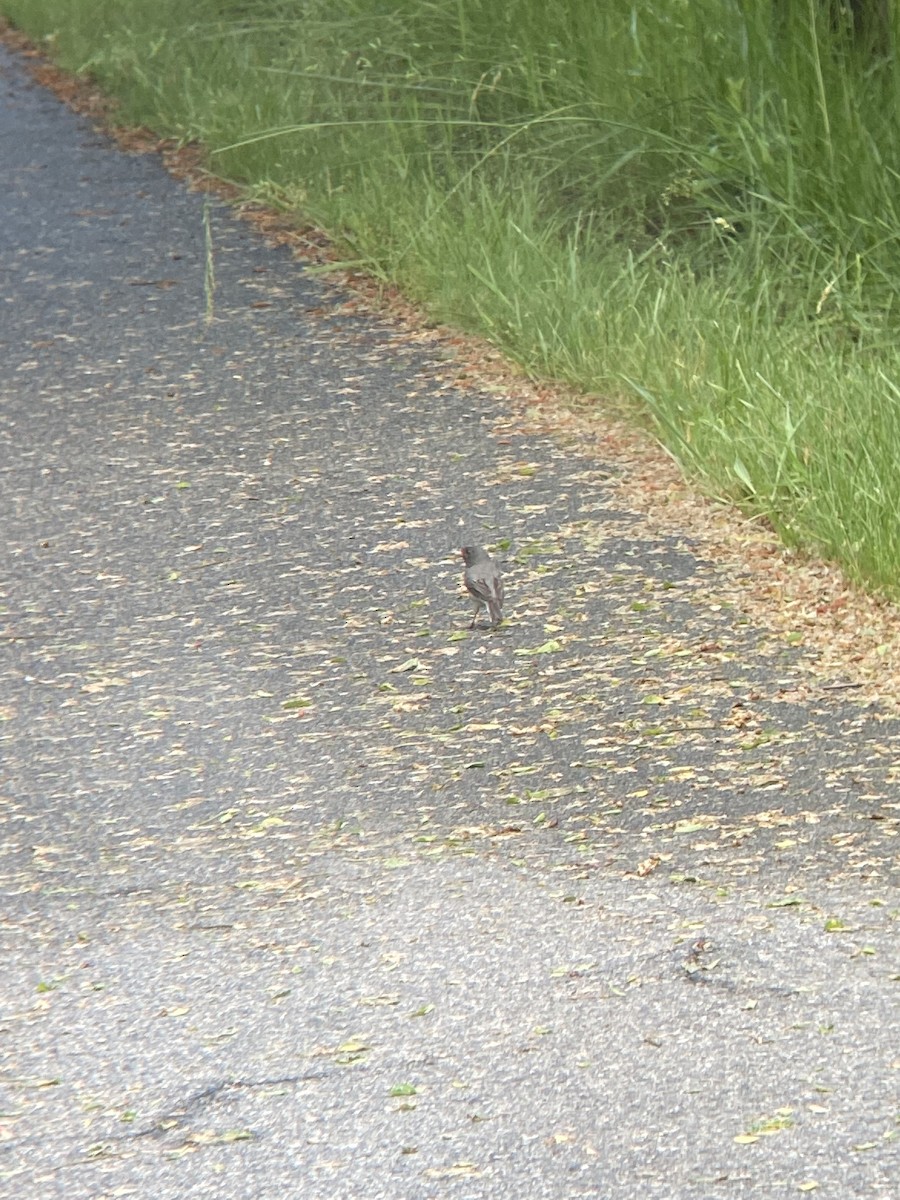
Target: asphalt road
<point>308,891</point>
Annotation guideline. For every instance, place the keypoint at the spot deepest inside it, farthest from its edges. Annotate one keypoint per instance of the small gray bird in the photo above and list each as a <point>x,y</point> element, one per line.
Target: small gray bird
<point>483,583</point>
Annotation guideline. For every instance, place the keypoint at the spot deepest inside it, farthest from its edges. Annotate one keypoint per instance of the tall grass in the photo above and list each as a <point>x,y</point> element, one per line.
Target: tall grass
<point>690,203</point>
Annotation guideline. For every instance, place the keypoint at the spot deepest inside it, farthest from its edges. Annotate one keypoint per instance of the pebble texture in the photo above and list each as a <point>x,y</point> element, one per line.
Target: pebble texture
<point>311,892</point>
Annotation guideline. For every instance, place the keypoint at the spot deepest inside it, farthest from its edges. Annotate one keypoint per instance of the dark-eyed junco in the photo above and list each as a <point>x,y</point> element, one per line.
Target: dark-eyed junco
<point>483,583</point>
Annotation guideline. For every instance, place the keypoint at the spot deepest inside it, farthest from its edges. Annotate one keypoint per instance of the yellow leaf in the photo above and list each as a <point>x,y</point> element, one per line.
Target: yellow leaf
<point>267,823</point>
<point>353,1046</point>
<point>411,664</point>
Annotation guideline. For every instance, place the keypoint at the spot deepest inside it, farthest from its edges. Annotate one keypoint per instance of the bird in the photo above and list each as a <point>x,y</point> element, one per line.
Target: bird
<point>483,583</point>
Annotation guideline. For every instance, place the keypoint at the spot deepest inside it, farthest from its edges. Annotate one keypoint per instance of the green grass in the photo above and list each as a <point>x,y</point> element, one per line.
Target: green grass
<point>692,205</point>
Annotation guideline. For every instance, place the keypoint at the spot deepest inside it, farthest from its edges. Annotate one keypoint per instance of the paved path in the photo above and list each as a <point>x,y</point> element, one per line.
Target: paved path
<point>308,891</point>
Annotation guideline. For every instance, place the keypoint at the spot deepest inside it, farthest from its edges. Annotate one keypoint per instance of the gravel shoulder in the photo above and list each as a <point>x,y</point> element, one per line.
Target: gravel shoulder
<point>311,892</point>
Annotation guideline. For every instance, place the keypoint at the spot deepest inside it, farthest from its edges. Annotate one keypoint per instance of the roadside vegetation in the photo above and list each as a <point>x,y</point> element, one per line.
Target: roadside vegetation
<point>689,205</point>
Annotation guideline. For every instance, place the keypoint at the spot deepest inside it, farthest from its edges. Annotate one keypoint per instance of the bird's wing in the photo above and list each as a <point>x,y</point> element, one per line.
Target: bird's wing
<point>486,584</point>
<point>479,583</point>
